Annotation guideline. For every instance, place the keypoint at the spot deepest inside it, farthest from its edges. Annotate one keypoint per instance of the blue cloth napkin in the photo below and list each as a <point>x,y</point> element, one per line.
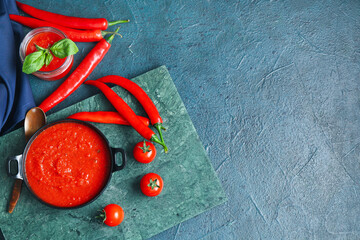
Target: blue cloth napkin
<point>15,93</point>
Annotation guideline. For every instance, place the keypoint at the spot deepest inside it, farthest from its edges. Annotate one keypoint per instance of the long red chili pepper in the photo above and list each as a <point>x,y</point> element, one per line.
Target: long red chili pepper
<point>67,21</point>
<point>73,34</point>
<point>141,96</point>
<point>79,75</point>
<point>125,111</point>
<point>105,117</point>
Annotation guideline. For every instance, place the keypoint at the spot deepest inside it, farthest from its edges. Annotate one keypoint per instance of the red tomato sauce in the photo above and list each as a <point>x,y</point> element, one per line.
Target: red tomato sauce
<point>45,40</point>
<point>67,164</point>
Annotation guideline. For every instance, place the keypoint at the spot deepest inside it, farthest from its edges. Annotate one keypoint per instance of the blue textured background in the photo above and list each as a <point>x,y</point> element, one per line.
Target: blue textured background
<point>273,90</point>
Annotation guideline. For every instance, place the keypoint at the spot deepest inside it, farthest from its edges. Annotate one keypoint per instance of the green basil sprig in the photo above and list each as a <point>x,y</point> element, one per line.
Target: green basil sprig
<point>64,48</point>
<point>36,60</point>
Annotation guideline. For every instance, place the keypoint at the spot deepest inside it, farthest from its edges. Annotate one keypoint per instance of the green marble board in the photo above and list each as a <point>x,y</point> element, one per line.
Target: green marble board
<point>191,185</point>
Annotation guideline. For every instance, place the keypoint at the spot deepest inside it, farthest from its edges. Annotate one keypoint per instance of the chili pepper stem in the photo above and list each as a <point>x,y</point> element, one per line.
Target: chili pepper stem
<point>104,33</point>
<point>117,22</point>
<point>119,34</point>
<point>111,38</point>
<point>158,127</point>
<point>154,138</point>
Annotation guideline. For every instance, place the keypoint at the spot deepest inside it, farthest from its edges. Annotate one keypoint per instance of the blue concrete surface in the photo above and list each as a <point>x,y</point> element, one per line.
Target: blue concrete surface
<point>273,90</point>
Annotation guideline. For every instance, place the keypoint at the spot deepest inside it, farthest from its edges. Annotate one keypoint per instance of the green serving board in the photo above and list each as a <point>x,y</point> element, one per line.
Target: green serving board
<point>190,183</point>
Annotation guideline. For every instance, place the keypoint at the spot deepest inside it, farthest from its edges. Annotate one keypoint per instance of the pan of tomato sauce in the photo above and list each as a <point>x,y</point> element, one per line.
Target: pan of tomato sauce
<point>67,163</point>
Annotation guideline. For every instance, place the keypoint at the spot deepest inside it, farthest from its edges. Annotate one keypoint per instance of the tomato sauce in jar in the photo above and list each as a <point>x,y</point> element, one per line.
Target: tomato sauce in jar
<point>46,40</point>
<point>45,37</point>
<point>68,164</point>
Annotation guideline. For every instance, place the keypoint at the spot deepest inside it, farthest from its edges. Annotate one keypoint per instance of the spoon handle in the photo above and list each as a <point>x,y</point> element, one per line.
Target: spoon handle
<point>15,195</point>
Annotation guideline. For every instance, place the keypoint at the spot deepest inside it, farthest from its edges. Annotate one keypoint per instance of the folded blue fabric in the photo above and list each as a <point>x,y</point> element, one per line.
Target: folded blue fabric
<point>15,93</point>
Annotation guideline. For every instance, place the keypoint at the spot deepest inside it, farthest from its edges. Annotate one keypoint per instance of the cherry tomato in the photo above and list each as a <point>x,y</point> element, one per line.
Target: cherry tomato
<point>112,215</point>
<point>144,152</point>
<point>151,184</point>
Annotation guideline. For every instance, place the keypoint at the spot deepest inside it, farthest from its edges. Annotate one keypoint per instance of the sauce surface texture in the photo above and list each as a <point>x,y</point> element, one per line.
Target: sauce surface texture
<point>67,164</point>
<point>45,40</point>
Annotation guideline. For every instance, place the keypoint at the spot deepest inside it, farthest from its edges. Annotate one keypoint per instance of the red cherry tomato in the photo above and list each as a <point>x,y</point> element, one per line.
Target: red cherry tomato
<point>144,152</point>
<point>112,215</point>
<point>151,184</point>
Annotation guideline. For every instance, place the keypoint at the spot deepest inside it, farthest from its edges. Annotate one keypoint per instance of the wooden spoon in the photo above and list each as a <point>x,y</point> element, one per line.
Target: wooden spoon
<point>35,118</point>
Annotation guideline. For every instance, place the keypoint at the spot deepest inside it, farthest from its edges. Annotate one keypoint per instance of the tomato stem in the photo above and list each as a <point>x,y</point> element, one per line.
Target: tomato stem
<point>145,148</point>
<point>102,215</point>
<point>153,184</point>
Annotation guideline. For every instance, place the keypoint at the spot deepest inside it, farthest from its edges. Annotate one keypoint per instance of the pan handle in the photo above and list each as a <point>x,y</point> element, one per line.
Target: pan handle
<point>18,159</point>
<point>114,151</point>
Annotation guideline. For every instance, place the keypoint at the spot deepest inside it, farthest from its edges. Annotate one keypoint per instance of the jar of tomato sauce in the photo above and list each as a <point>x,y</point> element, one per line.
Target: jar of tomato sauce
<point>45,37</point>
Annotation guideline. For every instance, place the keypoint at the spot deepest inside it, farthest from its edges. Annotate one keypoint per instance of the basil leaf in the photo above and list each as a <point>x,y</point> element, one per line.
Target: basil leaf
<point>64,48</point>
<point>38,47</point>
<point>49,57</point>
<point>33,62</point>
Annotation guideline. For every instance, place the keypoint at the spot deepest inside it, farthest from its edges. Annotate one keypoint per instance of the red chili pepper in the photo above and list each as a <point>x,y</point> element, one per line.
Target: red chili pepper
<point>141,96</point>
<point>79,75</point>
<point>125,111</point>
<point>73,34</point>
<point>67,21</point>
<point>105,117</point>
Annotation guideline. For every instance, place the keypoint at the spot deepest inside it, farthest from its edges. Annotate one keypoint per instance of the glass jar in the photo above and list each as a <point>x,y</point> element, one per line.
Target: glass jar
<point>42,34</point>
